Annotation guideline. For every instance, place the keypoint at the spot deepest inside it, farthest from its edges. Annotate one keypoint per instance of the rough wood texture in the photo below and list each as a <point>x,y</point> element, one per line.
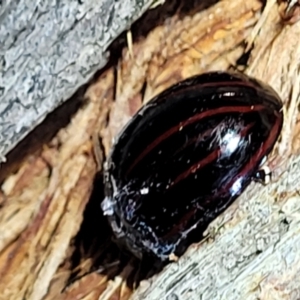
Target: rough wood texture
<point>48,49</point>
<point>252,251</point>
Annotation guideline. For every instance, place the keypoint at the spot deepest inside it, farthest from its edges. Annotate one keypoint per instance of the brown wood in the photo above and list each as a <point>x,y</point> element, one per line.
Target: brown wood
<point>252,251</point>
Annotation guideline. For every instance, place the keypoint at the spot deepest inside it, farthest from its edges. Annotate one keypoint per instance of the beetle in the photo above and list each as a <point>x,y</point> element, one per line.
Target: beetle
<point>184,157</point>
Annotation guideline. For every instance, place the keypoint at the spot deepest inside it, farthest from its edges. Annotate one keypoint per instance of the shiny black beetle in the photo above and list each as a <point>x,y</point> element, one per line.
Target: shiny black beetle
<point>185,157</point>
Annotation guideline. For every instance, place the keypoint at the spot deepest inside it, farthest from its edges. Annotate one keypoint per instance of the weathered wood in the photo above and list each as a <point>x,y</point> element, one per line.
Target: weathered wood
<point>48,49</point>
<point>254,256</point>
<point>253,249</point>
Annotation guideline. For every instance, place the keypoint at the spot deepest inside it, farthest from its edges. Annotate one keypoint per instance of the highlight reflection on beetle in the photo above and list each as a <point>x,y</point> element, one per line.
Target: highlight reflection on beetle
<point>208,137</point>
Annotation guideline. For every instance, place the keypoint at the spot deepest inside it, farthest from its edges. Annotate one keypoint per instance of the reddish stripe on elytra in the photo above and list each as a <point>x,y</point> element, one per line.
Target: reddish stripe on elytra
<point>246,129</point>
<point>199,137</point>
<point>194,140</point>
<point>180,225</point>
<point>259,154</point>
<point>197,117</point>
<point>209,158</point>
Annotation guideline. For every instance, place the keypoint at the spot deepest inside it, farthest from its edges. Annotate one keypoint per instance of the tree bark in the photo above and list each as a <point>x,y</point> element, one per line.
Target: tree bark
<point>48,49</point>
<point>251,251</point>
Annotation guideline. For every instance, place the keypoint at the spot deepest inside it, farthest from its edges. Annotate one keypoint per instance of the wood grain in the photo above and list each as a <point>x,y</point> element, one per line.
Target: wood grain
<point>50,218</point>
<point>48,49</point>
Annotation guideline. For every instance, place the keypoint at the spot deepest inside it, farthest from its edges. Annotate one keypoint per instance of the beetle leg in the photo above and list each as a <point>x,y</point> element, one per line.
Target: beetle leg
<point>263,175</point>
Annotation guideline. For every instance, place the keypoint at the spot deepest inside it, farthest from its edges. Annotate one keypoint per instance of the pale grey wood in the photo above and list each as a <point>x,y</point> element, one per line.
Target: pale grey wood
<point>48,49</point>
<point>256,255</point>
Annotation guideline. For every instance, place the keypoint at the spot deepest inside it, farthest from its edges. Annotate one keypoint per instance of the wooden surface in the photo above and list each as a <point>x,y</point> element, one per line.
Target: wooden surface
<point>48,49</point>
<point>54,242</point>
<point>252,251</point>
